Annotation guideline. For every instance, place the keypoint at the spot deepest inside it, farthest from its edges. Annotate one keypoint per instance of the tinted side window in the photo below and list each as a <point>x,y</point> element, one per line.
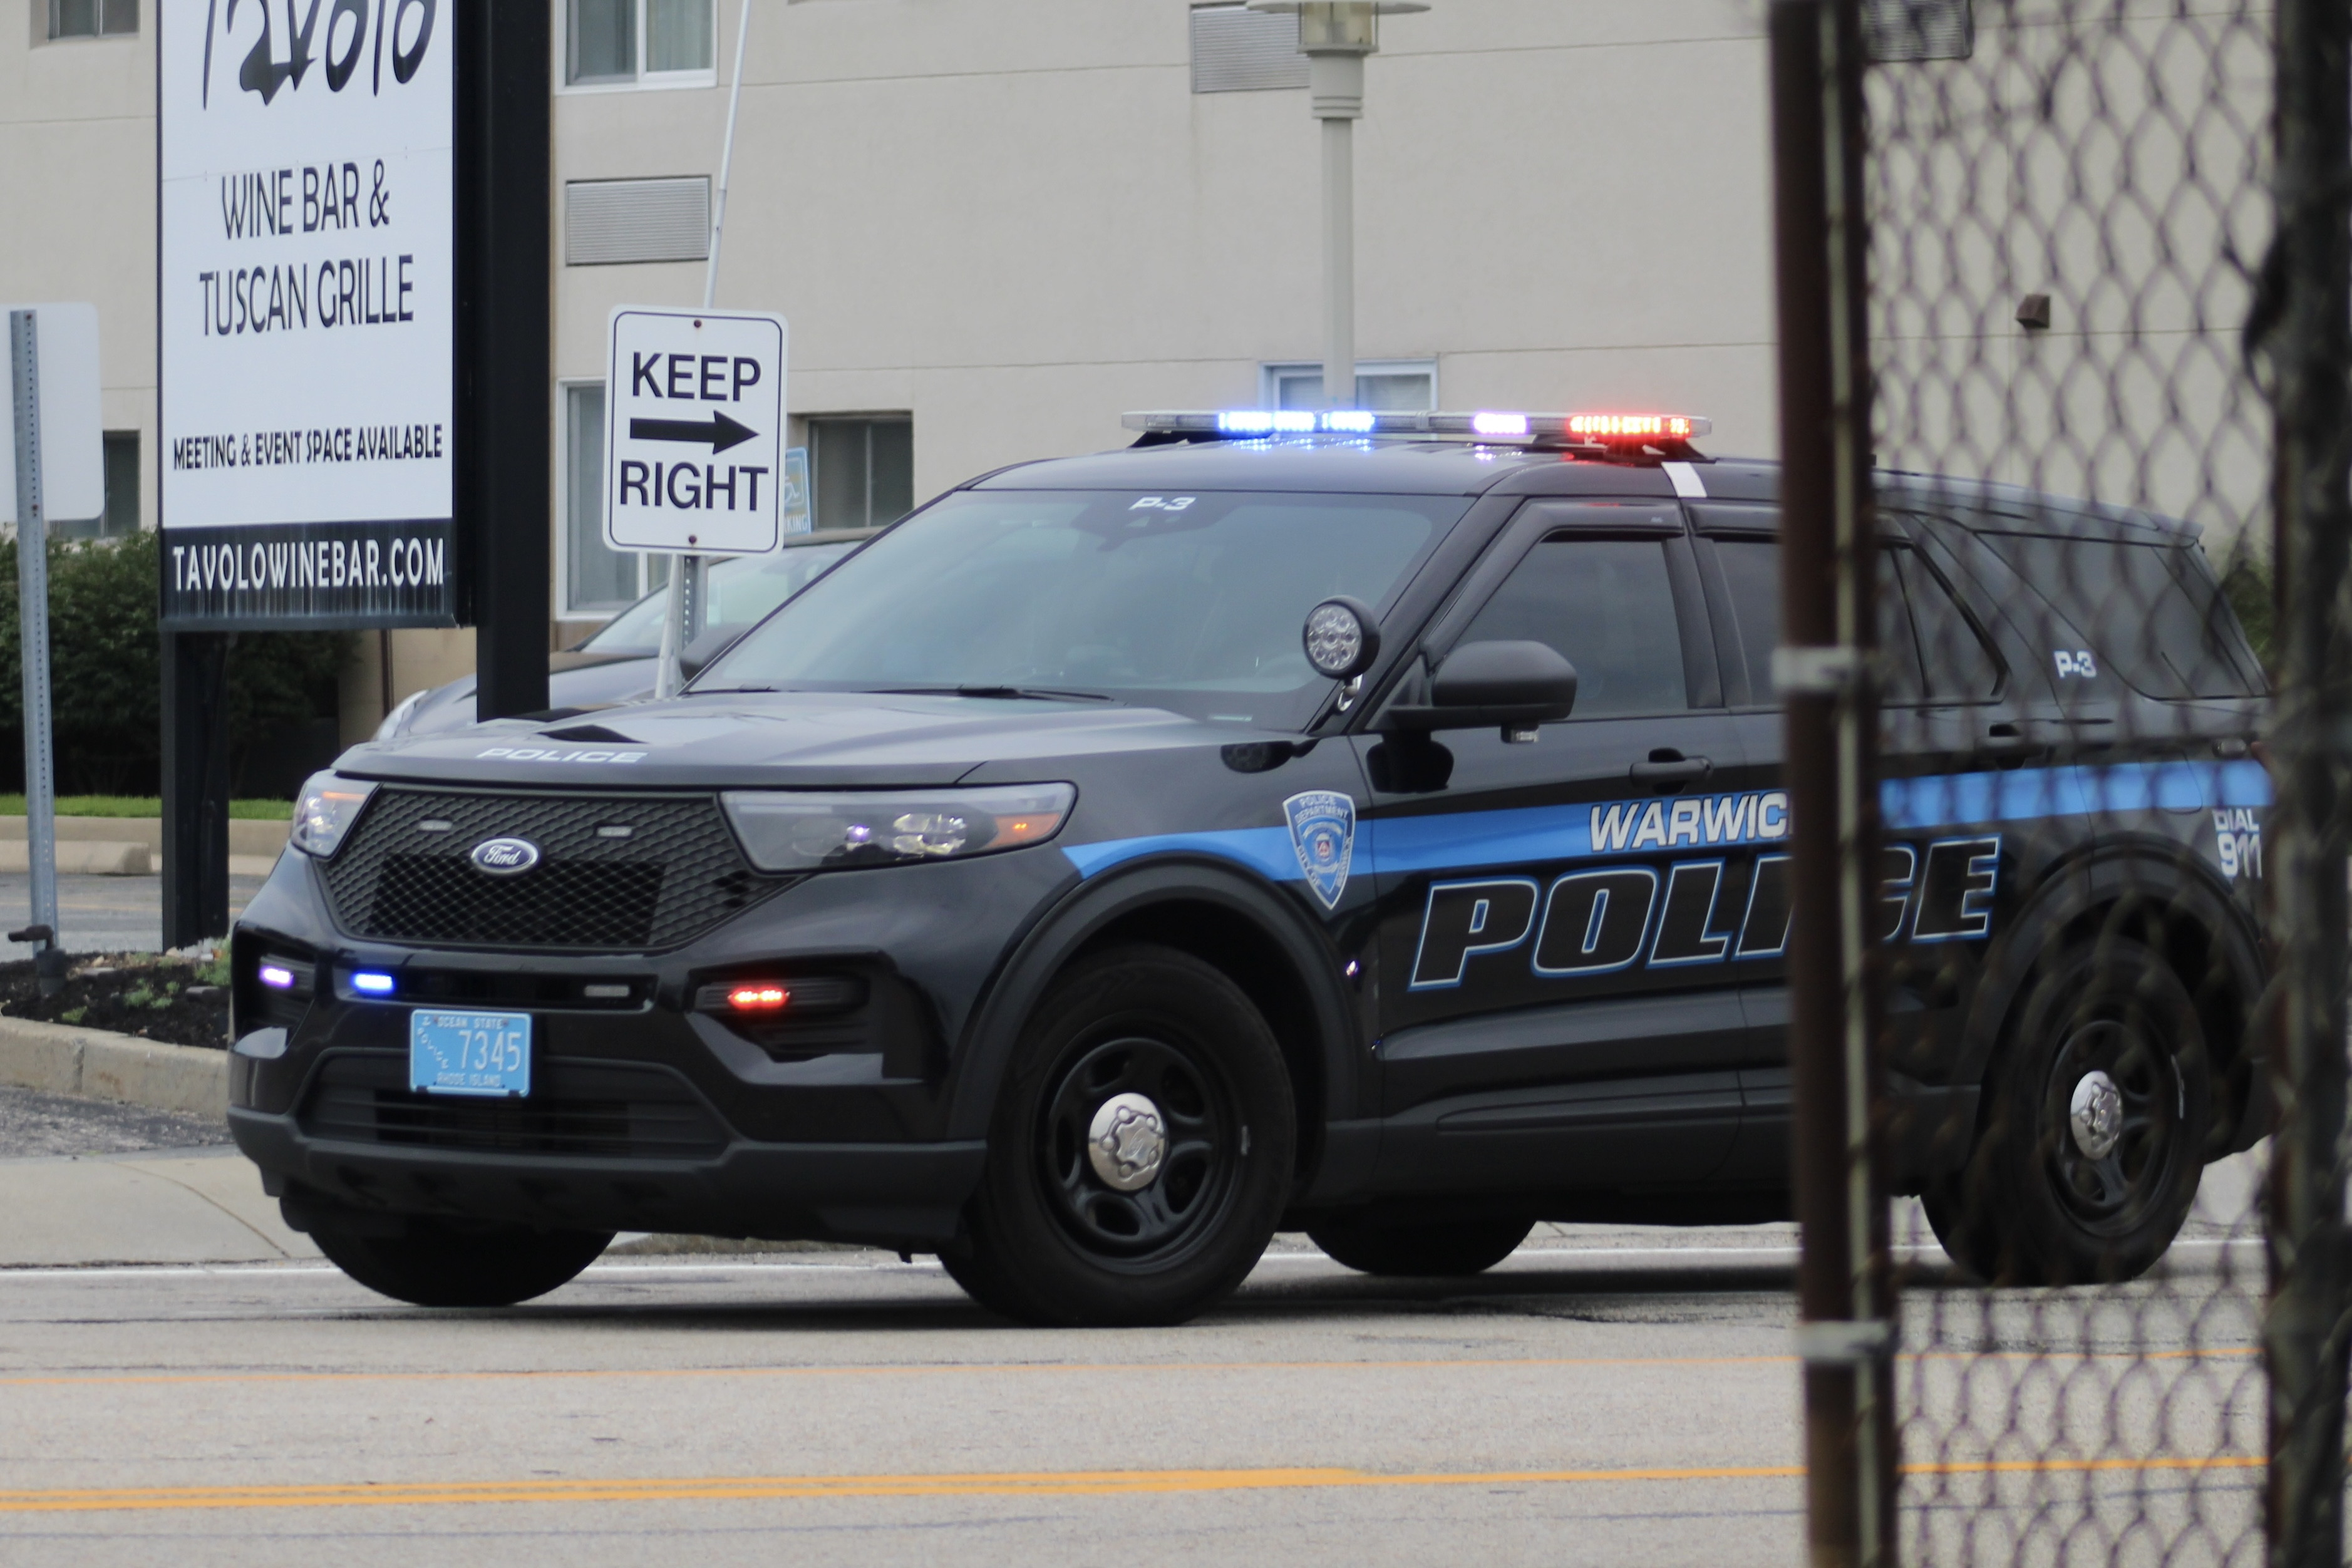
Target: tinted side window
<point>1751,571</point>
<point>2152,612</point>
<point>1958,665</point>
<point>1608,606</point>
<point>1927,647</point>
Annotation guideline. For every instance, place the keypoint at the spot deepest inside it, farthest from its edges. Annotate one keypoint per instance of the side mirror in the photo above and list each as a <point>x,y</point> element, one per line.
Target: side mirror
<point>703,651</point>
<point>1509,685</point>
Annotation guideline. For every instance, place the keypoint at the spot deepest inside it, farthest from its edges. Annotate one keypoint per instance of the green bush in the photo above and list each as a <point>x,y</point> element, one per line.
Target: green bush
<point>105,696</point>
<point>2247,584</point>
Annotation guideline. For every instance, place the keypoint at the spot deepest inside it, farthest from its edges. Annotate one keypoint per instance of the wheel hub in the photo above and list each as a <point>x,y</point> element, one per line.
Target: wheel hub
<point>1126,1142</point>
<point>2095,1116</point>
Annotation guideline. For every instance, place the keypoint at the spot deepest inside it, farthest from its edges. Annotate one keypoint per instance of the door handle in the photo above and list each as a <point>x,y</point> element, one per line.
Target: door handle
<point>2006,735</point>
<point>1667,766</point>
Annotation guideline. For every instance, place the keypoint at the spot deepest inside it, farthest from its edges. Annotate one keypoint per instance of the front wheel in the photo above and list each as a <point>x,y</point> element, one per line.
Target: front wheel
<point>1141,1152</point>
<point>436,1263</point>
<point>2097,1105</point>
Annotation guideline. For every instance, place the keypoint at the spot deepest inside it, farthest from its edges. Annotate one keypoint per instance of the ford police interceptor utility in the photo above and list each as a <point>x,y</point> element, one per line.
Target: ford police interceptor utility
<point>1369,824</point>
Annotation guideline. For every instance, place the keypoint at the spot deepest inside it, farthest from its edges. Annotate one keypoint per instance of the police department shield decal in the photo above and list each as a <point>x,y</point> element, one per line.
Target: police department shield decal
<point>1323,831</point>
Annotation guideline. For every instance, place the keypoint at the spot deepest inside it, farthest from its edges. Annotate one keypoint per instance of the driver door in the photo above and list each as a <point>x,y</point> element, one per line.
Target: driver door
<point>1556,1008</point>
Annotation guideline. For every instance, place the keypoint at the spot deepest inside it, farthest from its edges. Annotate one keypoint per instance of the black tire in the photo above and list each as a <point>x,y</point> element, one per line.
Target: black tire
<point>2034,1205</point>
<point>437,1264</point>
<point>1050,1240</point>
<point>1425,1249</point>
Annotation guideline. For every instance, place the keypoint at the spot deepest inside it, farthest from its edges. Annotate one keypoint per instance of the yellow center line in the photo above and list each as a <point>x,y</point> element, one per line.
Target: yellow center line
<point>1047,1483</point>
<point>97,1379</point>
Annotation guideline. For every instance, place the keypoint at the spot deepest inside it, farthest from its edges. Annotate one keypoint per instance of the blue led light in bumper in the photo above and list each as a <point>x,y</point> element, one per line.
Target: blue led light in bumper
<point>372,982</point>
<point>277,977</point>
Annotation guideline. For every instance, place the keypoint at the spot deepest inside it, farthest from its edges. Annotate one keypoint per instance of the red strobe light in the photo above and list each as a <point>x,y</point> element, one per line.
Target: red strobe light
<point>1632,426</point>
<point>757,996</point>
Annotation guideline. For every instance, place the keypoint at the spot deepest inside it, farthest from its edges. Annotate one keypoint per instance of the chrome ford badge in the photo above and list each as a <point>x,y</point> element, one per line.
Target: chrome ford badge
<point>504,856</point>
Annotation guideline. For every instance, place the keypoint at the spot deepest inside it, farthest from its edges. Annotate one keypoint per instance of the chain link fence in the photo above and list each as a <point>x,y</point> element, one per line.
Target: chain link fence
<point>2080,335</point>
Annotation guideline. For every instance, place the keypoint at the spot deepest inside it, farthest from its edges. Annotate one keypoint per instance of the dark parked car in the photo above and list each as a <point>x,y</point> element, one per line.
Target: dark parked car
<point>615,663</point>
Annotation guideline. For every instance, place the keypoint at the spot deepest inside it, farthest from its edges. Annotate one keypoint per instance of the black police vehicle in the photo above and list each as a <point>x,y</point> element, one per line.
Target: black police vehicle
<point>1369,824</point>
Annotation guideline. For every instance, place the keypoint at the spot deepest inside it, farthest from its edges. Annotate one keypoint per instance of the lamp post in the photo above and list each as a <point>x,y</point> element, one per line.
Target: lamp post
<point>1334,36</point>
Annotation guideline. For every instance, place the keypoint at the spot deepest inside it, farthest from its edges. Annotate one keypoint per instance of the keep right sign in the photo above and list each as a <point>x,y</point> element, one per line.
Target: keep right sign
<point>694,431</point>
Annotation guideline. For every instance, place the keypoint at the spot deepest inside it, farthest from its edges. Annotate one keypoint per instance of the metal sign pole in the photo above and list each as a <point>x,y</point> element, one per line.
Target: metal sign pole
<point>33,612</point>
<point>684,609</point>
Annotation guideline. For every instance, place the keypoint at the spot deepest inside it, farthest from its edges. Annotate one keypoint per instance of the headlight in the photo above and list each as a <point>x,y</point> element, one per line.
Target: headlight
<point>797,831</point>
<point>395,724</point>
<point>325,811</point>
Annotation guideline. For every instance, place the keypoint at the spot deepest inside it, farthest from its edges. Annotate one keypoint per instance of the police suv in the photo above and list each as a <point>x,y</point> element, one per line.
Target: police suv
<point>1367,824</point>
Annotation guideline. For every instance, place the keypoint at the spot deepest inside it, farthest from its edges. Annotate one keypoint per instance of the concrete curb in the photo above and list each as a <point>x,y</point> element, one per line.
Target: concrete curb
<point>86,857</point>
<point>99,1063</point>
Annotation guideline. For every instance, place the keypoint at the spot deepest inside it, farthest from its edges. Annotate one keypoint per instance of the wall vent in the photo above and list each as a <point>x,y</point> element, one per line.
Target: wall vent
<point>1236,49</point>
<point>610,221</point>
<point>1899,30</point>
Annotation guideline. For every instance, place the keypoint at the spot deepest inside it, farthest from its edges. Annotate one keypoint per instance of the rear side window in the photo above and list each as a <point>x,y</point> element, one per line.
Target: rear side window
<point>1608,606</point>
<point>1928,651</point>
<point>1954,664</point>
<point>2152,613</point>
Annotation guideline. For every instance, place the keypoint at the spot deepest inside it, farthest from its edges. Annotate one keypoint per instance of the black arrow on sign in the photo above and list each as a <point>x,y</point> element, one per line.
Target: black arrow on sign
<point>720,431</point>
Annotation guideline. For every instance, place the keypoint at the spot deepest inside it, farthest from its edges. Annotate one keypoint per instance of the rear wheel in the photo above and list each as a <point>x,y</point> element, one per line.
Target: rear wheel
<point>1424,1250</point>
<point>437,1263</point>
<point>1141,1152</point>
<point>2097,1111</point>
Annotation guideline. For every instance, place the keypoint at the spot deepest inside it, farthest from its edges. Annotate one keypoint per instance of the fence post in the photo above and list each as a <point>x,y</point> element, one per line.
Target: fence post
<point>2303,323</point>
<point>1822,671</point>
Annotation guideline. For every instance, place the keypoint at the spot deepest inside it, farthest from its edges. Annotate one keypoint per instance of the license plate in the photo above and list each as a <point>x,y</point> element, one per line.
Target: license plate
<point>469,1053</point>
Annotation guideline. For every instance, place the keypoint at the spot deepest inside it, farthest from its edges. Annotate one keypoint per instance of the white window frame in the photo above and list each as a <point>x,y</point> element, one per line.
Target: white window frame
<point>1270,375</point>
<point>46,24</point>
<point>646,80</point>
<point>646,579</point>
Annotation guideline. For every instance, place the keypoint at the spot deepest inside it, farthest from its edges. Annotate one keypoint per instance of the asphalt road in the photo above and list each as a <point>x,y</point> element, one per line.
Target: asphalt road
<point>1610,1395</point>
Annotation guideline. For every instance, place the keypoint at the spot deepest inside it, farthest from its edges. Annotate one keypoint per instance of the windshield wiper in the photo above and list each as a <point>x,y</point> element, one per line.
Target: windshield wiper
<point>1031,694</point>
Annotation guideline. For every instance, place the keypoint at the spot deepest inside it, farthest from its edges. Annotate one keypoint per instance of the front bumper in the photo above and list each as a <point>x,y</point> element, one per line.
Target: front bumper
<point>644,1113</point>
<point>901,1194</point>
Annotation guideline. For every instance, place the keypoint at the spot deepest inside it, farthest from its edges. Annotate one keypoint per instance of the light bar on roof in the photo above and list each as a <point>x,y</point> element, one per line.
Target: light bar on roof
<point>1634,427</point>
<point>1486,425</point>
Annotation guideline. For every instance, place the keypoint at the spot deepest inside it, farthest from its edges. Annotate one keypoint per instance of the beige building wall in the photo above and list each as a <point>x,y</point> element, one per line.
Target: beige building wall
<point>1015,220</point>
<point>78,200</point>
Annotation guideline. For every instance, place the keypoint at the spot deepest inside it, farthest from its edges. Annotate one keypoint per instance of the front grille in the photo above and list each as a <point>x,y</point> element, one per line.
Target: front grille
<point>405,877</point>
<point>610,1109</point>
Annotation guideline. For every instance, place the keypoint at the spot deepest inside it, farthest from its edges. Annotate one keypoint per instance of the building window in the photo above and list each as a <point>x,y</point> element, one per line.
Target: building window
<point>1400,384</point>
<point>862,468</point>
<point>1900,30</point>
<point>653,43</point>
<point>1236,49</point>
<point>597,579</point>
<point>122,515</point>
<point>93,18</point>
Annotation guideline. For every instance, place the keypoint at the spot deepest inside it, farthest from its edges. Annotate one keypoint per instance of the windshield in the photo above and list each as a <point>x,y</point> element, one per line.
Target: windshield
<point>1191,602</point>
<point>741,589</point>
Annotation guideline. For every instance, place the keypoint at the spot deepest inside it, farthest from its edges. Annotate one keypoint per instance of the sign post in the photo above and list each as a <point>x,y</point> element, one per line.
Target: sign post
<point>353,302</point>
<point>694,446</point>
<point>54,466</point>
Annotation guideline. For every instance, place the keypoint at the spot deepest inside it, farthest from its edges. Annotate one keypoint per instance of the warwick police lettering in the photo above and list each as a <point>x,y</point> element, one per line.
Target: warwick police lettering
<point>1600,921</point>
<point>1758,817</point>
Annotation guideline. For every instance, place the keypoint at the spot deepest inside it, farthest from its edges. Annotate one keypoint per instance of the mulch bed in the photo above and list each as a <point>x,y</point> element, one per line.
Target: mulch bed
<point>175,1001</point>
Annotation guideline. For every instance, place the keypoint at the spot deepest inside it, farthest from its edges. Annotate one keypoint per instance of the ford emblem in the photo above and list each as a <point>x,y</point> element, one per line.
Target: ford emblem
<point>504,856</point>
